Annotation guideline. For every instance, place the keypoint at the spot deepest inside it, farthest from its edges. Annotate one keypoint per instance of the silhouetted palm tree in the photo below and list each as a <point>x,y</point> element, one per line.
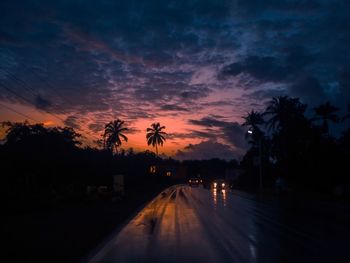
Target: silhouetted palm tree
<point>252,120</point>
<point>287,120</point>
<point>114,132</point>
<point>284,111</point>
<point>326,112</point>
<point>155,136</point>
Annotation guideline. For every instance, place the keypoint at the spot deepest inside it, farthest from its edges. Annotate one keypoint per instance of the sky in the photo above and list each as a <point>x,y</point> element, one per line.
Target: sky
<point>196,67</point>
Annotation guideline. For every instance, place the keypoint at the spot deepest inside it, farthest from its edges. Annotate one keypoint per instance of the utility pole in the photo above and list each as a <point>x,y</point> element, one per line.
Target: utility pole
<point>260,160</point>
<point>260,165</point>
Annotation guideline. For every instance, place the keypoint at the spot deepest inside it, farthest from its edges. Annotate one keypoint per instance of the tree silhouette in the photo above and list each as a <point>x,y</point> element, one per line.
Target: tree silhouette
<point>113,135</point>
<point>326,112</point>
<point>284,112</point>
<point>290,132</point>
<point>252,120</point>
<point>29,135</point>
<point>155,135</point>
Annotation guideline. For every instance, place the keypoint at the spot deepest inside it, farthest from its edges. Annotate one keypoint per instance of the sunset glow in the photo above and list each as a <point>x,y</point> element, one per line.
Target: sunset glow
<point>197,69</point>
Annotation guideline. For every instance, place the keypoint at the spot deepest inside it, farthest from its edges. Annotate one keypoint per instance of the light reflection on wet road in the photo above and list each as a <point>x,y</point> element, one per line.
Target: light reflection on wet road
<point>185,224</point>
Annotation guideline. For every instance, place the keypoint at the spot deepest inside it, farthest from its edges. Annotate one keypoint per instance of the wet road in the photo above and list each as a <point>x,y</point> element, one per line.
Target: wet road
<point>185,224</point>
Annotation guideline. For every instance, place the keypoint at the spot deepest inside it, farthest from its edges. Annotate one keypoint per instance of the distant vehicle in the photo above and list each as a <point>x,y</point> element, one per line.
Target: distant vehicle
<point>219,184</point>
<point>194,181</point>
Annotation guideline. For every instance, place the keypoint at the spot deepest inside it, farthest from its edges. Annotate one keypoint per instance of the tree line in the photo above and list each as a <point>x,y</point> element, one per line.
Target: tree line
<point>44,165</point>
<point>298,148</point>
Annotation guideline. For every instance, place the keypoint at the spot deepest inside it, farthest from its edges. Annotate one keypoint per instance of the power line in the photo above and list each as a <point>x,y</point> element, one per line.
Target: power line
<point>23,84</point>
<point>50,85</point>
<point>31,90</point>
<point>35,120</point>
<point>18,112</point>
<point>28,101</point>
<point>57,93</point>
<point>28,88</point>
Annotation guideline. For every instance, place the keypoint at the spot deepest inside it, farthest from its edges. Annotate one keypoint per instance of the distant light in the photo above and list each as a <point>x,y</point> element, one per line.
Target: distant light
<point>48,123</point>
<point>152,169</point>
<point>250,132</point>
<point>215,184</point>
<point>223,185</point>
<point>168,173</point>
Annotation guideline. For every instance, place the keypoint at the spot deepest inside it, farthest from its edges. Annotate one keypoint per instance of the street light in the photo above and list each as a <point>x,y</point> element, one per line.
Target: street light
<point>250,131</point>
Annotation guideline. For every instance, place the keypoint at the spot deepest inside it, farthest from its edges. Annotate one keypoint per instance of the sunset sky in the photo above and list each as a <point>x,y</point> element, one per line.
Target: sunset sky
<point>194,66</point>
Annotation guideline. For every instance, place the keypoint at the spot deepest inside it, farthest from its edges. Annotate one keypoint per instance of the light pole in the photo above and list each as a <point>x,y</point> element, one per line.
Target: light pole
<point>260,160</point>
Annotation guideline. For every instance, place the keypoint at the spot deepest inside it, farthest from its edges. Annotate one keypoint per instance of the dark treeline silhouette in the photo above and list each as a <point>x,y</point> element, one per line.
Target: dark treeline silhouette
<point>296,148</point>
<point>41,166</point>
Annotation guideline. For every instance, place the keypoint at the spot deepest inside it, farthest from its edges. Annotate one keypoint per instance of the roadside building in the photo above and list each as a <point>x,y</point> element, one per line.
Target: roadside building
<point>175,171</point>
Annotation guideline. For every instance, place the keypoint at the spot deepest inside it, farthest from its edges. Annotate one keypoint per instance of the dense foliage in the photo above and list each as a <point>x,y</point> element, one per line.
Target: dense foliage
<point>43,165</point>
<point>298,148</point>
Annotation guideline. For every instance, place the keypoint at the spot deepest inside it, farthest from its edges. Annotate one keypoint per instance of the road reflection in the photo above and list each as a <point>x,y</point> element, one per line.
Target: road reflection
<point>236,213</point>
<point>219,197</point>
<point>185,224</point>
<point>224,196</point>
<point>215,197</point>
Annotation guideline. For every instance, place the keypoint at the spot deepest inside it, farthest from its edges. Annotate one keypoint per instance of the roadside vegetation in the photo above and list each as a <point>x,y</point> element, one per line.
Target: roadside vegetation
<point>295,143</point>
<point>59,202</point>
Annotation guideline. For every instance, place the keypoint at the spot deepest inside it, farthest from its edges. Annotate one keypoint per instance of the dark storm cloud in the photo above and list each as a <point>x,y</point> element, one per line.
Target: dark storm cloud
<point>262,68</point>
<point>173,107</point>
<point>290,41</point>
<point>290,62</point>
<point>42,103</point>
<point>72,121</point>
<point>251,7</point>
<point>208,122</point>
<point>232,132</point>
<point>95,127</point>
<point>235,135</point>
<point>99,126</point>
<point>192,134</point>
<point>207,150</point>
<point>309,89</point>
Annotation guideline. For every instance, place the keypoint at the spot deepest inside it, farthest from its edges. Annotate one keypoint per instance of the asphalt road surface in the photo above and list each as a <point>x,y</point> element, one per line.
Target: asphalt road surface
<point>192,224</point>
